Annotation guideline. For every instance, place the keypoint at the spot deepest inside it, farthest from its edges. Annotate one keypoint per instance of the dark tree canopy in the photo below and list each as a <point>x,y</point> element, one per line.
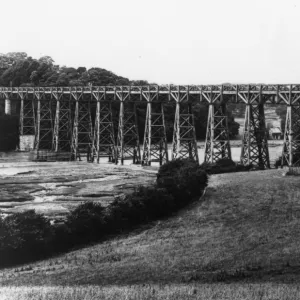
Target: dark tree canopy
<point>18,69</point>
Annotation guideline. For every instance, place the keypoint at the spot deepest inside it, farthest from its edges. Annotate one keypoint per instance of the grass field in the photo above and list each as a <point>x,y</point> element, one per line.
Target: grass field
<point>153,292</point>
<point>244,232</point>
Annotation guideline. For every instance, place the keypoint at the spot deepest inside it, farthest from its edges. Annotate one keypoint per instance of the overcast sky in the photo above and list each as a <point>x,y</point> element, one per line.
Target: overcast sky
<point>162,41</point>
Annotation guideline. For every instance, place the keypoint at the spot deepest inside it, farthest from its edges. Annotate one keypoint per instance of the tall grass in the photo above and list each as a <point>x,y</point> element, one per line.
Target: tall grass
<point>148,291</point>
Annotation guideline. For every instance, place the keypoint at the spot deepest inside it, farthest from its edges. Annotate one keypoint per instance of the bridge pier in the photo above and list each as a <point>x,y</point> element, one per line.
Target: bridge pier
<point>104,138</point>
<point>128,144</point>
<point>82,129</point>
<point>184,135</point>
<point>27,126</point>
<point>27,115</point>
<point>291,144</point>
<point>217,143</point>
<point>62,133</point>
<point>155,147</point>
<point>255,142</point>
<point>44,123</point>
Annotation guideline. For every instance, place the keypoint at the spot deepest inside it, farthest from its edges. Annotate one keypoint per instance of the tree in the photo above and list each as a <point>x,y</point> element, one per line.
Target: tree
<point>139,82</point>
<point>46,60</point>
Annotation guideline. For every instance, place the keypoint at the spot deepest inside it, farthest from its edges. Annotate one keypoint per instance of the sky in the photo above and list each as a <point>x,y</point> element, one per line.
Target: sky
<point>162,41</point>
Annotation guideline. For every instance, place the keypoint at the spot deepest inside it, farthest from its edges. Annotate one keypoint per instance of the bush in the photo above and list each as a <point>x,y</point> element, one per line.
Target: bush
<point>24,236</point>
<point>143,205</point>
<point>85,223</point>
<point>184,179</point>
<point>62,239</point>
<point>225,162</point>
<point>224,165</point>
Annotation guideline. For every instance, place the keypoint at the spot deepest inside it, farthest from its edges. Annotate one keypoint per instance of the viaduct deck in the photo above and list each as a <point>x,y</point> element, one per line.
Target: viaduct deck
<point>240,93</point>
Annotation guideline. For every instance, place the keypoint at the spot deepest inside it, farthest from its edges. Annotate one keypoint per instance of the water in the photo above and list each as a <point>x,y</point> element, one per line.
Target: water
<point>275,149</point>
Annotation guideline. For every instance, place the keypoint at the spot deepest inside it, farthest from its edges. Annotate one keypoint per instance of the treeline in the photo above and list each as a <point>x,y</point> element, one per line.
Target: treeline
<point>19,69</point>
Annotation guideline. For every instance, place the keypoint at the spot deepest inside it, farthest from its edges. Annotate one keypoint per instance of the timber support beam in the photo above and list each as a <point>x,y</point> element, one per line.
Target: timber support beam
<point>184,134</point>
<point>128,143</point>
<point>217,144</point>
<point>104,138</point>
<point>255,149</point>
<point>291,144</point>
<point>62,133</point>
<point>155,147</point>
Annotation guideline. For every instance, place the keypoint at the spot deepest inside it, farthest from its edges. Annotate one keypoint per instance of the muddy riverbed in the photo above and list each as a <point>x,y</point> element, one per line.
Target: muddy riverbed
<point>55,188</point>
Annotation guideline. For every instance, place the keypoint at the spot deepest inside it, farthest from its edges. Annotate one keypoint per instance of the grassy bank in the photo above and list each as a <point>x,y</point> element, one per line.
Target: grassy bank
<point>156,292</point>
<point>245,230</point>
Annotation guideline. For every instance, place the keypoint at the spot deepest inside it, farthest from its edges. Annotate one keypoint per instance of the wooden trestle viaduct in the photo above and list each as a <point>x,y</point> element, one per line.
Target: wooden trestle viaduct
<point>78,120</point>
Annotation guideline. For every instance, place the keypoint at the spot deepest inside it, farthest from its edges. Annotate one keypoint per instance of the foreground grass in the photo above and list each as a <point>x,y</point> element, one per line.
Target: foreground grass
<point>245,229</point>
<point>168,292</point>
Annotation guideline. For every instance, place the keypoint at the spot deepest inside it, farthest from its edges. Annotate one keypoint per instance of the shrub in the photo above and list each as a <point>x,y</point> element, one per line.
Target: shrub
<point>85,222</point>
<point>24,236</point>
<point>224,165</point>
<point>143,205</point>
<point>184,179</point>
<point>62,239</point>
<point>225,162</point>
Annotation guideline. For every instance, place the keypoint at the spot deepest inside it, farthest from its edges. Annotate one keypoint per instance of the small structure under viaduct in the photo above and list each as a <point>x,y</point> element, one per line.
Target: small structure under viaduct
<point>76,121</point>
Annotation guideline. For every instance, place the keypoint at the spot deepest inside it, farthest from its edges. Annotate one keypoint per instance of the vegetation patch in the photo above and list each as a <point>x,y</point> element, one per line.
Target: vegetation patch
<point>224,165</point>
<point>28,236</point>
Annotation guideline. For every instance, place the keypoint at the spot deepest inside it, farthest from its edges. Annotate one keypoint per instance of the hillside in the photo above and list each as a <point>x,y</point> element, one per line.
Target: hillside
<point>245,228</point>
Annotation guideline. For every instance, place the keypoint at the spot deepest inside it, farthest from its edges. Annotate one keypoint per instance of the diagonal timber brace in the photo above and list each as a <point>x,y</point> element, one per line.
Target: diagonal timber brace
<point>27,115</point>
<point>291,144</point>
<point>104,138</point>
<point>255,143</point>
<point>82,128</point>
<point>62,135</point>
<point>184,135</point>
<point>155,147</point>
<point>128,143</point>
<point>217,144</point>
<point>44,123</point>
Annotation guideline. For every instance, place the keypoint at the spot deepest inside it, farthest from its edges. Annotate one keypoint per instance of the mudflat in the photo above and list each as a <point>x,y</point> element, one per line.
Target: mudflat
<point>54,188</point>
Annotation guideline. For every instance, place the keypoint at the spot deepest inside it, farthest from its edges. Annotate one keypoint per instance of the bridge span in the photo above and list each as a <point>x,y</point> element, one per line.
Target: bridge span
<point>79,121</point>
